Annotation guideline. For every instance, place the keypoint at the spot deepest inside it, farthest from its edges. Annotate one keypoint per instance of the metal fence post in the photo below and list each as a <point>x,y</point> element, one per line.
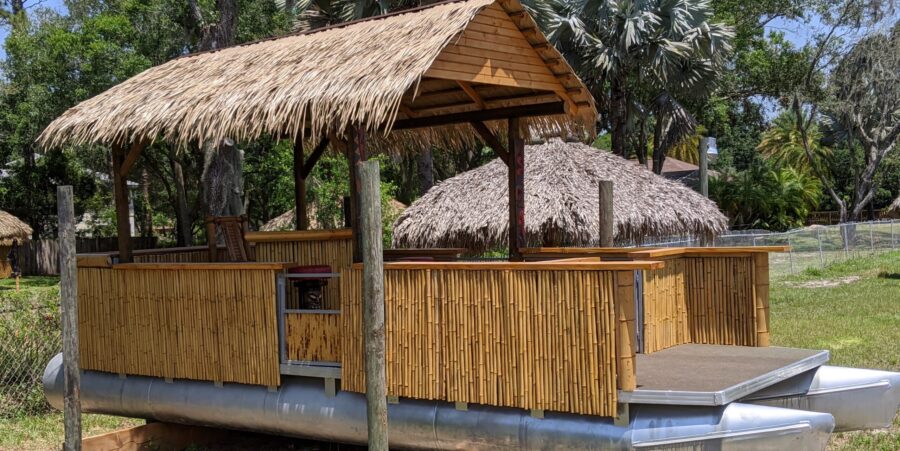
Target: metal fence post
<point>791,253</point>
<point>821,255</point>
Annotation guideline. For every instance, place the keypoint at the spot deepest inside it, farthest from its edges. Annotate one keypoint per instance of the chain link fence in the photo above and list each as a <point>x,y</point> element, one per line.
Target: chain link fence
<point>29,337</point>
<point>811,247</point>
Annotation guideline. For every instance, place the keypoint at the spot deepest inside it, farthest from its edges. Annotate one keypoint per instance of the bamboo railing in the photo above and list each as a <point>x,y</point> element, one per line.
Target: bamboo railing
<point>206,321</point>
<point>313,337</point>
<point>527,335</point>
<point>702,295</point>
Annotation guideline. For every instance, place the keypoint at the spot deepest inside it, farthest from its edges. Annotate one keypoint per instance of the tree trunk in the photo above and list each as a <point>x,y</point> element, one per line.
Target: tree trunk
<point>618,113</point>
<point>147,226</point>
<point>426,171</point>
<point>641,150</point>
<point>183,218</point>
<point>223,179</point>
<point>659,155</point>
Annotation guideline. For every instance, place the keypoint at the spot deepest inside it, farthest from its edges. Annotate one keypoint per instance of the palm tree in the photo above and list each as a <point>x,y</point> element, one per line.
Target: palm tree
<point>311,14</point>
<point>670,47</point>
<point>783,144</point>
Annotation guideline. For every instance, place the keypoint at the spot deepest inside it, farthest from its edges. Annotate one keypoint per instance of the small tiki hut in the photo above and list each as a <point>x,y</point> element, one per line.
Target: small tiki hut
<point>893,210</point>
<point>561,203</point>
<point>12,232</point>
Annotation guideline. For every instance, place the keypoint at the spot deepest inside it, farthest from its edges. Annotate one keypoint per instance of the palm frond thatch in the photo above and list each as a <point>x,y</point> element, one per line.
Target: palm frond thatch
<point>561,203</point>
<point>302,85</point>
<point>12,228</point>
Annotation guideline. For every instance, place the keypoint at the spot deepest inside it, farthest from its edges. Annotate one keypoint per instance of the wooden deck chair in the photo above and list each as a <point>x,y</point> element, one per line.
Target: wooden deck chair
<point>233,229</point>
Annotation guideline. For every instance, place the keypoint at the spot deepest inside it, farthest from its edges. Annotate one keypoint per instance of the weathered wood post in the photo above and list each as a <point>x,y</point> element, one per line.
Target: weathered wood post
<point>607,220</point>
<point>516,166</point>
<point>300,218</point>
<point>704,167</point>
<point>68,291</point>
<point>373,299</point>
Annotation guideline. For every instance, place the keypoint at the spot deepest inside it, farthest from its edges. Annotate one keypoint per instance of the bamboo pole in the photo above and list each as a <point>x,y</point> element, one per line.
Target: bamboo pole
<point>373,298</point>
<point>68,287</point>
<point>607,222</point>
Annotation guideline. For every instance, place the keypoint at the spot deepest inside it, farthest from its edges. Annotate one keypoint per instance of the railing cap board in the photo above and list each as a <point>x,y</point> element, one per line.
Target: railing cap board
<point>93,260</point>
<point>298,235</point>
<point>275,266</point>
<point>704,251</point>
<point>526,266</point>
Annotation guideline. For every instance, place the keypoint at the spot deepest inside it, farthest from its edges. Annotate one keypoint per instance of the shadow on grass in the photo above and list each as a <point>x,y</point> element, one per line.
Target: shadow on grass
<point>889,275</point>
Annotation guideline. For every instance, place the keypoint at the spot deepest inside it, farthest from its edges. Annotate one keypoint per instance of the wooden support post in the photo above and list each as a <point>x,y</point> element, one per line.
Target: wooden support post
<point>302,169</point>
<point>120,192</point>
<point>373,298</point>
<point>625,331</point>
<point>607,221</point>
<point>761,297</point>
<point>356,153</point>
<point>211,239</point>
<point>68,291</point>
<point>301,222</point>
<point>516,171</point>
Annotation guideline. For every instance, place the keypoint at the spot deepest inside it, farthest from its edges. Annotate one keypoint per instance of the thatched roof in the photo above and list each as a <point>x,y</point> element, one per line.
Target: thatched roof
<point>894,209</point>
<point>12,228</point>
<point>373,72</point>
<point>561,203</point>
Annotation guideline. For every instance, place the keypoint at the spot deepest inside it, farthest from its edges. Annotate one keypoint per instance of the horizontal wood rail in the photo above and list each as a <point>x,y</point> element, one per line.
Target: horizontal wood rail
<point>443,254</point>
<point>298,235</point>
<point>243,266</point>
<point>550,265</point>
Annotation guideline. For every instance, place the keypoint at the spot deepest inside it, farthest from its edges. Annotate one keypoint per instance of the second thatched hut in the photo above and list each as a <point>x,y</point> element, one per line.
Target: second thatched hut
<point>561,204</point>
<point>12,232</point>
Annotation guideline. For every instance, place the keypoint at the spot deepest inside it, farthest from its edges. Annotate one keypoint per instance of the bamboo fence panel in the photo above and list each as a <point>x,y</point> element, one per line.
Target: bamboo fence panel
<point>761,298</point>
<point>721,300</point>
<point>313,337</point>
<point>215,325</point>
<point>531,339</point>
<point>187,256</point>
<point>336,253</point>
<point>665,307</point>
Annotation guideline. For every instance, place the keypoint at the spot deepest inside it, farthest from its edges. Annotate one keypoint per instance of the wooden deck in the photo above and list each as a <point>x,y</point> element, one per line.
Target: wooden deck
<point>560,333</point>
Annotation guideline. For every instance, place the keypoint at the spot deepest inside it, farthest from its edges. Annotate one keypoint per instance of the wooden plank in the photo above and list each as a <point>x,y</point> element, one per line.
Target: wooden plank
<point>298,235</point>
<point>527,266</point>
<point>203,266</point>
<point>475,77</point>
<point>68,294</point>
<point>497,71</point>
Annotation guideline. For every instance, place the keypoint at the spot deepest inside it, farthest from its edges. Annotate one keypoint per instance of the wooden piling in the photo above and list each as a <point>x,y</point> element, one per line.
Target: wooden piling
<point>607,221</point>
<point>68,290</point>
<point>373,298</point>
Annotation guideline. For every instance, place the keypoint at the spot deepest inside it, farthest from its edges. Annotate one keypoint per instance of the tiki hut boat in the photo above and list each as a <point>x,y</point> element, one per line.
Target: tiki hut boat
<point>561,204</point>
<point>13,232</point>
<point>656,349</point>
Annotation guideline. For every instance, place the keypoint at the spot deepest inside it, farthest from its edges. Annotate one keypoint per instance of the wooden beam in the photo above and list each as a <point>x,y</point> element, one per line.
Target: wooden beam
<point>300,218</point>
<point>607,222</point>
<point>515,164</point>
<point>356,154</point>
<point>491,140</point>
<point>68,291</point>
<point>542,109</point>
<point>136,149</point>
<point>405,109</point>
<point>120,194</point>
<point>373,298</point>
<point>472,93</point>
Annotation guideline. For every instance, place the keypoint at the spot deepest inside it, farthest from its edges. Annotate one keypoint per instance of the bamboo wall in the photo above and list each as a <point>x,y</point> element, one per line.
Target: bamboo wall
<point>200,324</point>
<point>313,337</point>
<point>308,248</point>
<point>711,299</point>
<point>532,339</point>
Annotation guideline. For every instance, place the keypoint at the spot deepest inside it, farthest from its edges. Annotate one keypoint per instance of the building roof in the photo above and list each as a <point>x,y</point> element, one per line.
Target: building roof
<point>392,72</point>
<point>561,203</point>
<point>12,228</point>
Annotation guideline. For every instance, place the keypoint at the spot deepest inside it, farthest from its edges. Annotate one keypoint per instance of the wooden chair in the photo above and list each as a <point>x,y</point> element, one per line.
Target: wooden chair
<point>233,229</point>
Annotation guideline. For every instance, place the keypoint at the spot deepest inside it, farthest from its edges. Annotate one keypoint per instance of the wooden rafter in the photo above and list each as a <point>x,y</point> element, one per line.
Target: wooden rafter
<point>136,149</point>
<point>543,109</point>
<point>472,93</point>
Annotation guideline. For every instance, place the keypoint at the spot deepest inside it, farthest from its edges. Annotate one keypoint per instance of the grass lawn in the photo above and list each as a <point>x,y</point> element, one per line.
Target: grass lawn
<point>45,432</point>
<point>858,320</point>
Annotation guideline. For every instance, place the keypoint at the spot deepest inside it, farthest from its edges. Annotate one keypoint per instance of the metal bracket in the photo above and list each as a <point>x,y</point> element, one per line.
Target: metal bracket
<point>330,387</point>
<point>537,413</point>
<point>461,406</point>
<point>622,418</point>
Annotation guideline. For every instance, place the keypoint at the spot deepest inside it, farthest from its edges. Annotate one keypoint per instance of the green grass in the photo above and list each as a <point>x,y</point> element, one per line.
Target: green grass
<point>45,432</point>
<point>859,322</point>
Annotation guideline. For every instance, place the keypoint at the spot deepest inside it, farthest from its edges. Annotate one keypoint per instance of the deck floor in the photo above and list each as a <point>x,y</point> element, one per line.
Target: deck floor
<point>695,374</point>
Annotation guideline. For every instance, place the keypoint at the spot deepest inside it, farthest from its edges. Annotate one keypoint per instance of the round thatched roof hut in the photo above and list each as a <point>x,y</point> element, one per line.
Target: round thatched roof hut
<point>894,209</point>
<point>12,229</point>
<point>561,203</point>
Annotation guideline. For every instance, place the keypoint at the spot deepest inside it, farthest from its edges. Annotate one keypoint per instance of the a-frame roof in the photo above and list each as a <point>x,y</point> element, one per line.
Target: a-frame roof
<point>429,67</point>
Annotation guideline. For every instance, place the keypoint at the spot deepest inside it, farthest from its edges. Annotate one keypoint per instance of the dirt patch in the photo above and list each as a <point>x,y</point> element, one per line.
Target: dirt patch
<point>825,283</point>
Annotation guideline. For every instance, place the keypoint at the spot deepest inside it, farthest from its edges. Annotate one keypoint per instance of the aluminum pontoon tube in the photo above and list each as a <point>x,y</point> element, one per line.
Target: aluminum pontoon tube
<point>300,407</point>
<point>857,398</point>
